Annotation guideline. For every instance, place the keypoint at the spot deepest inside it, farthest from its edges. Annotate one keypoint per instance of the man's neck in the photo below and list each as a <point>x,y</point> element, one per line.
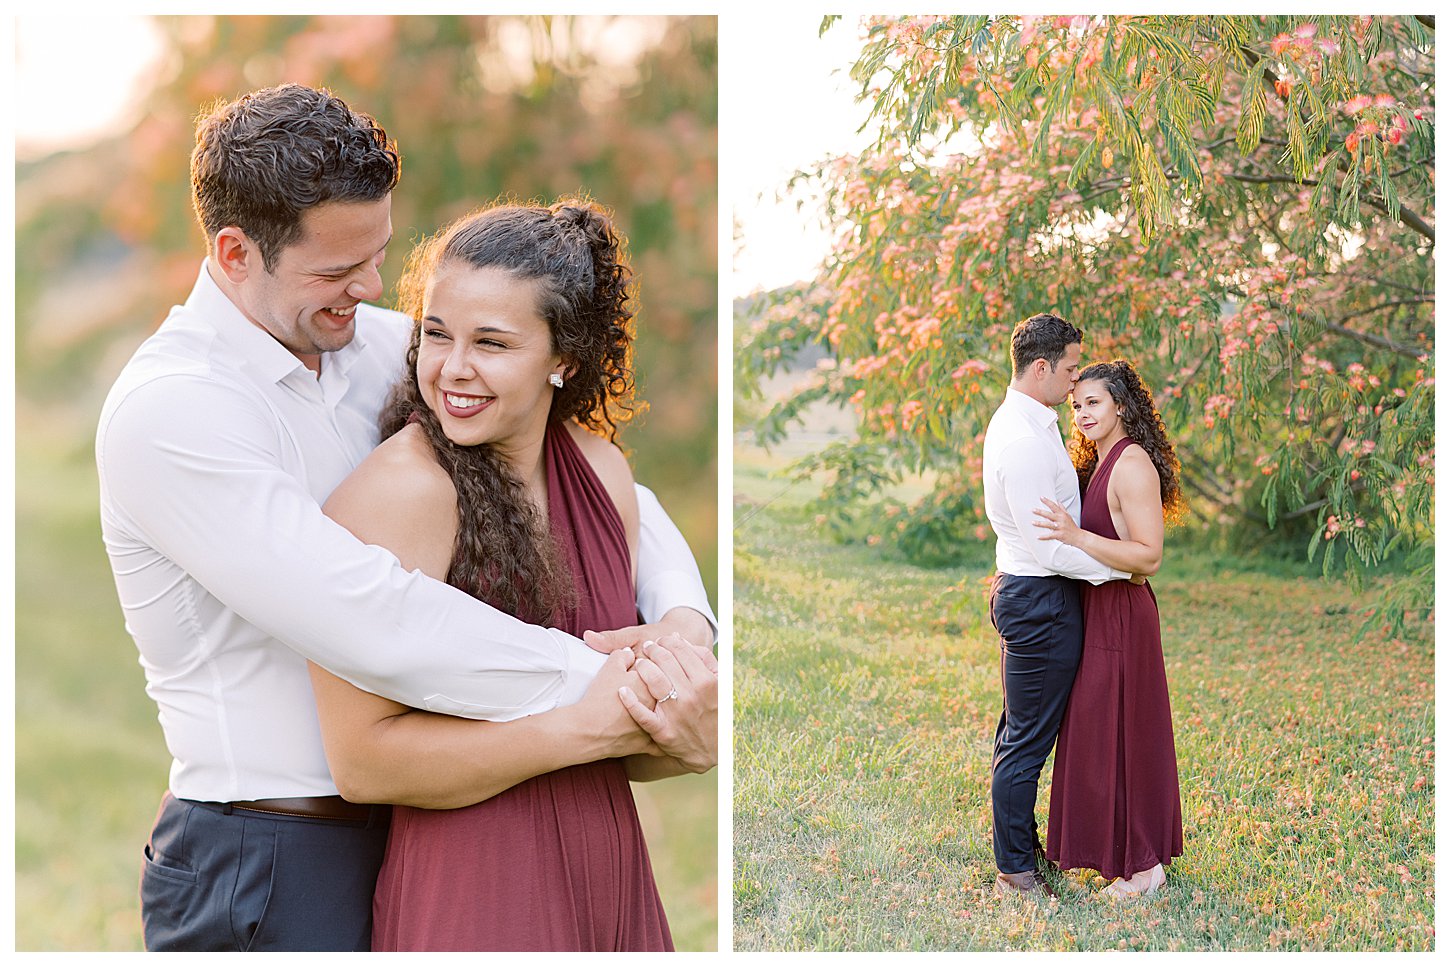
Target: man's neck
<point>1028,390</point>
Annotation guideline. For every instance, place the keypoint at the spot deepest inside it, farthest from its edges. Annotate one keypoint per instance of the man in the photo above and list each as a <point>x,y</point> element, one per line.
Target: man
<point>216,447</point>
<point>1034,604</point>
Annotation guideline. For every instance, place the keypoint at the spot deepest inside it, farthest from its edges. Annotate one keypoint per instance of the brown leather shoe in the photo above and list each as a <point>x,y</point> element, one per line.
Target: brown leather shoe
<point>1029,882</point>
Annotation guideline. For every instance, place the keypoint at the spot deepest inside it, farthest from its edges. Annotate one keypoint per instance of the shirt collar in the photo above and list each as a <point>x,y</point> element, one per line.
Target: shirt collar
<point>1037,412</point>
<point>266,356</point>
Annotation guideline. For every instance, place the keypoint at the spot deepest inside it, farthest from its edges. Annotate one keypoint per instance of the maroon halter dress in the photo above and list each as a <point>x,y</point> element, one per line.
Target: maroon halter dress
<point>556,863</point>
<point>1114,803</point>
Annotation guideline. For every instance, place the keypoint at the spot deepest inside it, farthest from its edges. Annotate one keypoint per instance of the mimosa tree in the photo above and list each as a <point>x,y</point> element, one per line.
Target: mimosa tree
<point>1243,206</point>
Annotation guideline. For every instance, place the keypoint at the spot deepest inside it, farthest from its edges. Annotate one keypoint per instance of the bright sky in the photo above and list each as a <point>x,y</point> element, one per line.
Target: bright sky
<point>72,86</point>
<point>787,102</point>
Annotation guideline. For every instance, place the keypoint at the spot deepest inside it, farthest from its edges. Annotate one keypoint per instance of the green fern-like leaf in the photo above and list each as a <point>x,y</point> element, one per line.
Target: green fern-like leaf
<point>1167,44</point>
<point>1256,108</point>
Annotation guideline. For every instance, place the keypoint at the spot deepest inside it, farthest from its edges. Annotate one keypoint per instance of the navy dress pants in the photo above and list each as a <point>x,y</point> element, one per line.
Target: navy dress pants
<point>214,878</point>
<point>1039,622</point>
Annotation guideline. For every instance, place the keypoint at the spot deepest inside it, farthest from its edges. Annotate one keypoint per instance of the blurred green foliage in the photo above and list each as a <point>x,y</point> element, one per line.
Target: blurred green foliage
<point>621,108</point>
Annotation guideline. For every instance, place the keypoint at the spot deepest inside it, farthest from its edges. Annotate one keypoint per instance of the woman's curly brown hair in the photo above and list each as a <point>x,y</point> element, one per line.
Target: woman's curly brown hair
<point>504,553</point>
<point>1142,424</point>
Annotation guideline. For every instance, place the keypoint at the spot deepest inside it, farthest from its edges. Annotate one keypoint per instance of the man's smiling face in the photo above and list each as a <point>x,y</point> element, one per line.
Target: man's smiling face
<point>308,302</point>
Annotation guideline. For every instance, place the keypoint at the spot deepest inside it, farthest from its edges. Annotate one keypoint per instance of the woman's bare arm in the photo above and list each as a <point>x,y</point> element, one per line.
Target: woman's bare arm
<point>381,751</point>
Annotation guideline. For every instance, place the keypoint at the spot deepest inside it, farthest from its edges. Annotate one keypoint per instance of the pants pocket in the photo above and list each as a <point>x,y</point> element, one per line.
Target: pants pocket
<point>155,864</point>
<point>169,897</point>
<point>1026,619</point>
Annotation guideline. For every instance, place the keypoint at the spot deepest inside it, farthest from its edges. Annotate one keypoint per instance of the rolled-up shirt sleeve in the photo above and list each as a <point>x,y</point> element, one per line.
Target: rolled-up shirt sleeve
<point>669,576</point>
<point>211,495</point>
<point>1027,473</point>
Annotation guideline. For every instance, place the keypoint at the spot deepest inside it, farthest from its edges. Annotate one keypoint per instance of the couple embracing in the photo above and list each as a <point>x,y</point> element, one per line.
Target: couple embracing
<point>361,551</point>
<point>1081,653</point>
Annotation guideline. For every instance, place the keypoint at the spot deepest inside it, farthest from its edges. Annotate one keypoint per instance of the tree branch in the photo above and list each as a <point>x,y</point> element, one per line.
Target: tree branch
<point>1190,480</point>
<point>1270,227</point>
<point>1206,475</point>
<point>1379,341</point>
<point>1420,300</point>
<point>1428,163</point>
<point>1356,277</point>
<point>1407,217</point>
<point>1272,179</point>
<point>1304,511</point>
<point>1310,508</point>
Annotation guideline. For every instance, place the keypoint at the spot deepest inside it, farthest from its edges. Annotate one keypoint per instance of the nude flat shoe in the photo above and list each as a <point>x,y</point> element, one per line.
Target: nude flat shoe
<point>1121,889</point>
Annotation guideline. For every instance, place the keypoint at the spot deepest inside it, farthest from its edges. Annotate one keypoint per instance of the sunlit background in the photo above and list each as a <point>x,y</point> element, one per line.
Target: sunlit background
<point>777,243</point>
<point>779,238</point>
<point>60,107</point>
<point>621,107</point>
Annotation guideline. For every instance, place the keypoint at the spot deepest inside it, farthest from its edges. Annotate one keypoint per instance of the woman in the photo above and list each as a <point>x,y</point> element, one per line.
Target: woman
<point>521,348</point>
<point>1114,804</point>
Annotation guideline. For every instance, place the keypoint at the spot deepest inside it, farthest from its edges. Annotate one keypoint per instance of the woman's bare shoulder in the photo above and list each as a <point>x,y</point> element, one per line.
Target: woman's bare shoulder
<point>1134,473</point>
<point>401,499</point>
<point>1136,459</point>
<point>402,467</point>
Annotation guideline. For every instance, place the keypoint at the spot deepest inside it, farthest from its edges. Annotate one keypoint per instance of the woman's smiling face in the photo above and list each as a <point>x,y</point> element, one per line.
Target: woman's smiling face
<point>1093,409</point>
<point>485,355</point>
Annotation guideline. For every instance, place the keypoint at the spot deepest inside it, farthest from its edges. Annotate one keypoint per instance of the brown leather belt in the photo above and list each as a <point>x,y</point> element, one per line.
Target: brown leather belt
<point>313,807</point>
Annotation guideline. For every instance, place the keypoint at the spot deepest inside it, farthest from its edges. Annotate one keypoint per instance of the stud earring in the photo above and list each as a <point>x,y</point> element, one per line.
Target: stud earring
<point>556,381</point>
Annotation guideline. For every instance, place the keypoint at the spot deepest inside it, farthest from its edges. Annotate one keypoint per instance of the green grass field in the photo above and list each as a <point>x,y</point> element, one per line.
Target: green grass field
<point>866,695</point>
<point>91,765</point>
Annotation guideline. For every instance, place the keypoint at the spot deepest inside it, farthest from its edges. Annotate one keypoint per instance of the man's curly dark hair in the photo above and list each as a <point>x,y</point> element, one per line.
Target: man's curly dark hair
<point>262,160</point>
<point>1043,336</point>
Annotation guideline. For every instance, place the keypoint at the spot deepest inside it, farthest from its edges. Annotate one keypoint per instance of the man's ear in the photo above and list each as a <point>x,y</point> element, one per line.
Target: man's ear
<point>235,255</point>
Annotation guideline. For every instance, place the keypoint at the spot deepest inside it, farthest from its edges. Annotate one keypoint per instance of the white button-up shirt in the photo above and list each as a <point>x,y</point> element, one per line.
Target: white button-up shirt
<point>216,448</point>
<point>1023,460</point>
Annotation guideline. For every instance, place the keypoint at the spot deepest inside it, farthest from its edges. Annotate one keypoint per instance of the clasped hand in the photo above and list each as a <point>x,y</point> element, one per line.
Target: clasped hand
<point>685,622</point>
<point>683,688</point>
<point>660,698</point>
